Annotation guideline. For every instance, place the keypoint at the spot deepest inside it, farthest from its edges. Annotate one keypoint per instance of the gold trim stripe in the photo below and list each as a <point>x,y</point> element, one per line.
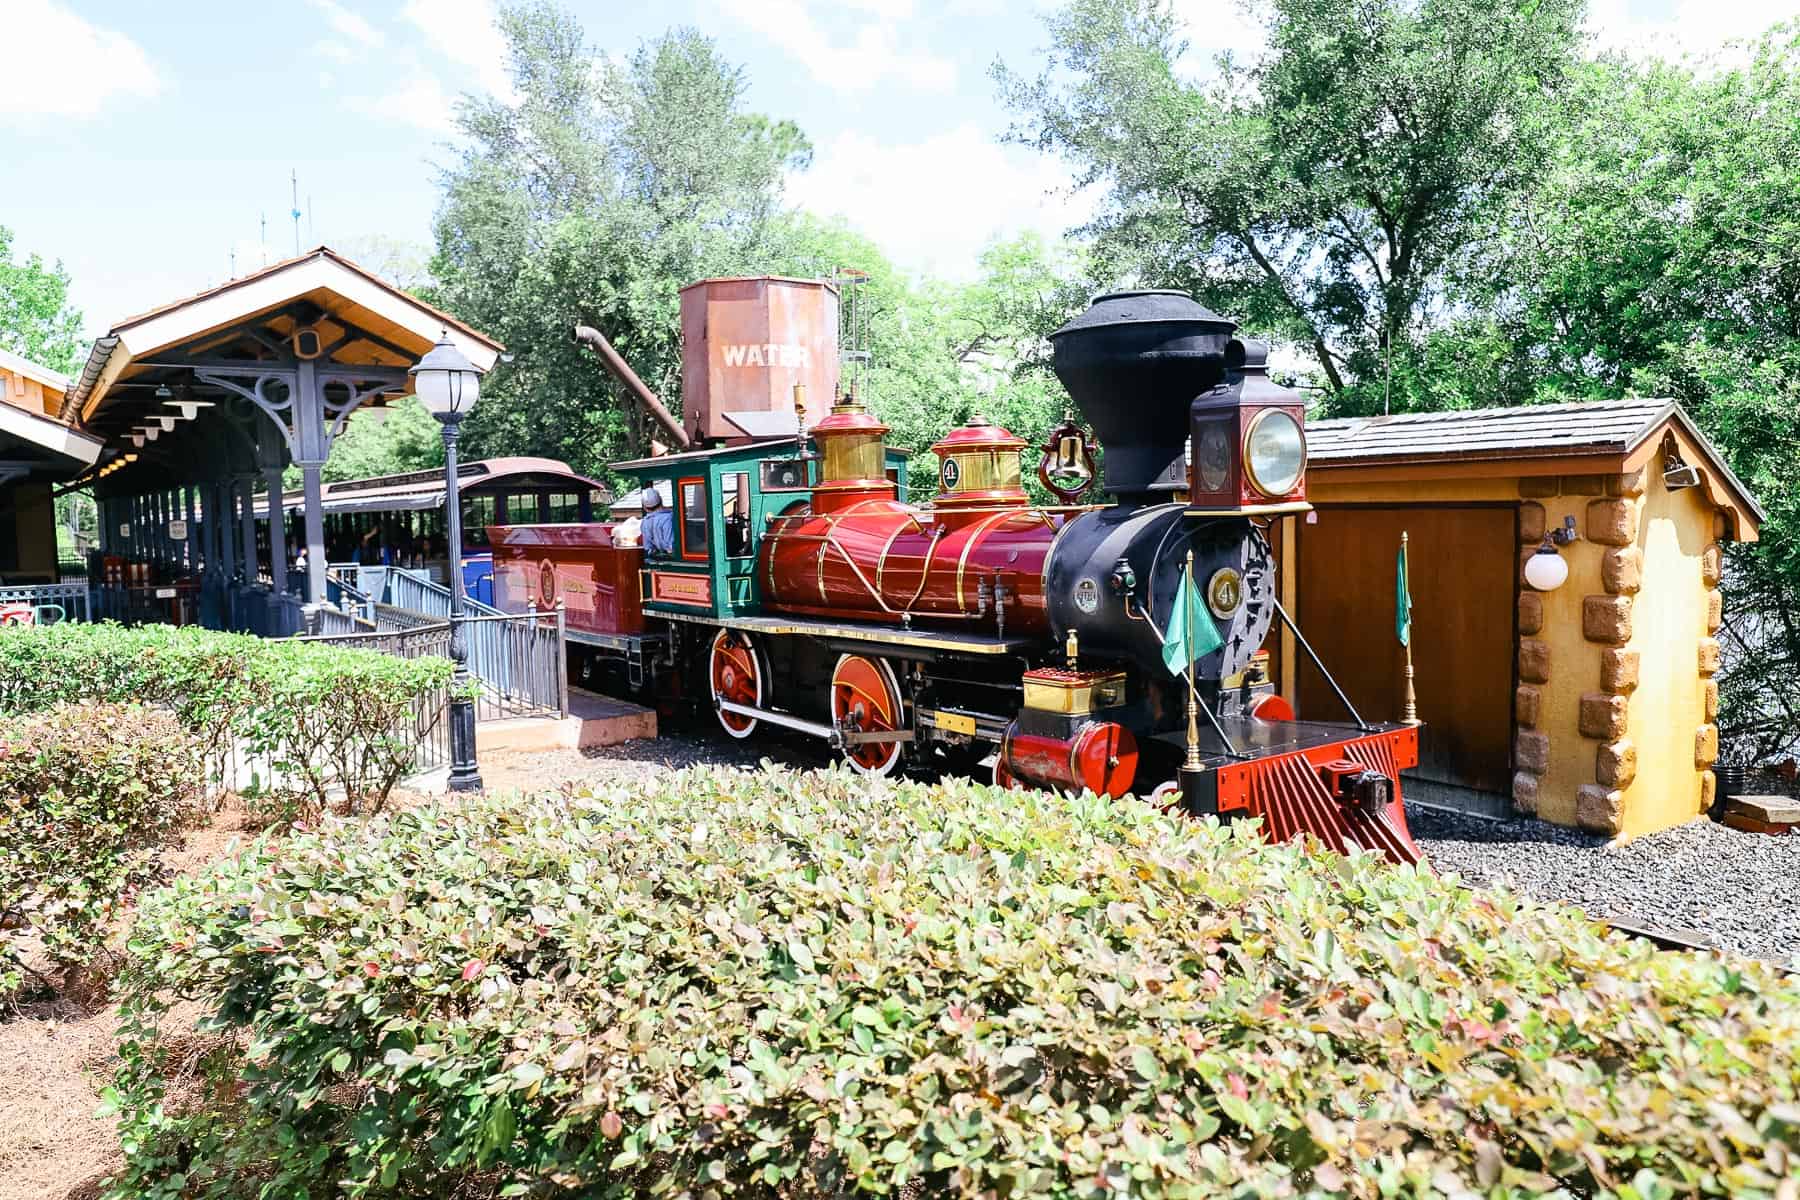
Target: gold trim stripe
<point>962,560</point>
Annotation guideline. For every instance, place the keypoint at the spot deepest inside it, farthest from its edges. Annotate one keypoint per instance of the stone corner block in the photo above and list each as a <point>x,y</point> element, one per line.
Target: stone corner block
<point>1631,483</point>
<point>1709,697</point>
<point>1599,809</point>
<point>1531,612</point>
<point>1706,745</point>
<point>1531,523</point>
<point>1584,485</point>
<point>1709,790</point>
<point>1534,660</point>
<point>1711,560</point>
<point>1615,764</point>
<point>1602,716</point>
<point>1708,656</point>
<point>1525,792</point>
<point>1619,670</point>
<point>1622,570</point>
<point>1715,610</point>
<point>1612,522</point>
<point>1527,701</point>
<point>1606,619</point>
<point>1540,486</point>
<point>1531,751</point>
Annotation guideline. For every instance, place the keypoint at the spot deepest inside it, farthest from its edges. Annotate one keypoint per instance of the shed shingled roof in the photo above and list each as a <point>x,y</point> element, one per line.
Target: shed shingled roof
<point>1536,431</point>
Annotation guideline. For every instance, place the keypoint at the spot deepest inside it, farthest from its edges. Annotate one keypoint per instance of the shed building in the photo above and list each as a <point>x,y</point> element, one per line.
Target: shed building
<point>1590,704</point>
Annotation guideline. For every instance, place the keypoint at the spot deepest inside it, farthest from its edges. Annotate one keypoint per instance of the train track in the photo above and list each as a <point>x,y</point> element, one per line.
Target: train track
<point>1665,939</point>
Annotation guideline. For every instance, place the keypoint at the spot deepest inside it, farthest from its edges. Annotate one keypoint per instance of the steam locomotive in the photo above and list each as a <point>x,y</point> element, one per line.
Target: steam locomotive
<point>979,631</point>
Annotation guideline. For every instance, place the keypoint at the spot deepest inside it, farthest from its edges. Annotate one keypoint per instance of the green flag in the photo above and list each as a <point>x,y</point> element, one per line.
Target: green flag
<point>1192,632</point>
<point>1402,597</point>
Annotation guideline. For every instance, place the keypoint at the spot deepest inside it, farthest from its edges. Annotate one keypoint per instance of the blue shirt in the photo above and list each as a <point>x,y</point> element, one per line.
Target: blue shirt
<point>659,531</point>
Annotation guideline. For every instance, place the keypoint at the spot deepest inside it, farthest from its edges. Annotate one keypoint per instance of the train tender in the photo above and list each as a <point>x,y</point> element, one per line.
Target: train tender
<point>979,631</point>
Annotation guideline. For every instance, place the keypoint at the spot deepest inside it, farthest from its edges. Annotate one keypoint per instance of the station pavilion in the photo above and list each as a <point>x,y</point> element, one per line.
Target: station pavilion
<point>191,408</point>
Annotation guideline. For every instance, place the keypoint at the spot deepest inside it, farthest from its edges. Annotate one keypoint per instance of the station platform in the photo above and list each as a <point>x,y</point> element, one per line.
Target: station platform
<point>593,720</point>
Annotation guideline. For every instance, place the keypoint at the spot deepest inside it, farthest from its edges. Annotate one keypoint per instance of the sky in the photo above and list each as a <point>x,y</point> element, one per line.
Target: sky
<point>146,145</point>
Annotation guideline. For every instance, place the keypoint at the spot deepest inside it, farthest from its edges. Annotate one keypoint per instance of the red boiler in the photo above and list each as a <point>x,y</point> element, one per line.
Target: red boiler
<point>974,558</point>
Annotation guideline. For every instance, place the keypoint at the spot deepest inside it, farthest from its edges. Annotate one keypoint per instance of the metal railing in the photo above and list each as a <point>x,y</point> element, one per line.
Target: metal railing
<point>521,659</point>
<point>48,600</point>
<point>411,590</point>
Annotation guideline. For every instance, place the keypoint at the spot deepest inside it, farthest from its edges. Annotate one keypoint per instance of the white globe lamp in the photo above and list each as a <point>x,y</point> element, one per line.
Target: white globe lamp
<point>1546,570</point>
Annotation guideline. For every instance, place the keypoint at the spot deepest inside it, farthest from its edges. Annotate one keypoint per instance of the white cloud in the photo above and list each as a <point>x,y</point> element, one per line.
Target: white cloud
<point>1695,27</point>
<point>464,32</point>
<point>348,24</point>
<point>58,64</point>
<point>337,52</point>
<point>875,52</point>
<point>418,100</point>
<point>933,205</point>
<point>1213,27</point>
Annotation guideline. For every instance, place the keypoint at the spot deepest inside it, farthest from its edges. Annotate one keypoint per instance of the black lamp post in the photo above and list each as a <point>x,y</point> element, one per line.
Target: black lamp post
<point>448,385</point>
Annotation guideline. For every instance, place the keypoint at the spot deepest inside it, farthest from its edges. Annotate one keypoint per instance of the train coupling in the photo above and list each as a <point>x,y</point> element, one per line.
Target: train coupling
<point>1356,786</point>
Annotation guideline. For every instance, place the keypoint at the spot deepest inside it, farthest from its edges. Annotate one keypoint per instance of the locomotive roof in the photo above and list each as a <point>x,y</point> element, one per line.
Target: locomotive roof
<point>1536,435</point>
<point>731,448</point>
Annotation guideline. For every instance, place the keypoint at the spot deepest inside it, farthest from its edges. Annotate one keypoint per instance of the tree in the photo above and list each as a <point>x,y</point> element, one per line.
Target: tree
<point>591,200</point>
<point>36,319</point>
<point>1323,191</point>
<point>941,353</point>
<point>410,439</point>
<point>1659,254</point>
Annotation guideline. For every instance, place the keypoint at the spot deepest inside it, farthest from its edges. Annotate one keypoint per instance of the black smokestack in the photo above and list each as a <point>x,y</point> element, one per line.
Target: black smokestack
<point>1132,363</point>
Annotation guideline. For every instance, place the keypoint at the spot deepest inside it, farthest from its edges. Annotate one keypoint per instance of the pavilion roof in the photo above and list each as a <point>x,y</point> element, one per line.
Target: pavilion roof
<point>366,321</point>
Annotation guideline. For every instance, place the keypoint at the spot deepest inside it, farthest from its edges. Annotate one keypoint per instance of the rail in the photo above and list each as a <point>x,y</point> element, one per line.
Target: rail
<point>48,602</point>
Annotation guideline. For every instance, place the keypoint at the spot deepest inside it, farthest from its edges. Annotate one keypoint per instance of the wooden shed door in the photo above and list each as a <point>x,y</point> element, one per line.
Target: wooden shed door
<point>1464,562</point>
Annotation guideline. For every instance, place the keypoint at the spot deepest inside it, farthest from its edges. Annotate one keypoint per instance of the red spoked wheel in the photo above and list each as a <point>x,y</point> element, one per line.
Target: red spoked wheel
<point>865,698</point>
<point>736,674</point>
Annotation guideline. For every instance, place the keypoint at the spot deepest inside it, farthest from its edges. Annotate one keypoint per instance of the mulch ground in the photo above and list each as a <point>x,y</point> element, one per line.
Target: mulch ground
<point>56,1055</point>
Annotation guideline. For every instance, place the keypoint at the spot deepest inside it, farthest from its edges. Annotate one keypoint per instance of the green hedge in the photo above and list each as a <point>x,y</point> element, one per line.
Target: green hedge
<point>88,794</point>
<point>320,717</point>
<point>782,984</point>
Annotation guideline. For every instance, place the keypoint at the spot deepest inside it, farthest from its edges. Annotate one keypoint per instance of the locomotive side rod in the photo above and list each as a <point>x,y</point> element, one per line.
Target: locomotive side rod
<point>1314,655</point>
<point>835,736</point>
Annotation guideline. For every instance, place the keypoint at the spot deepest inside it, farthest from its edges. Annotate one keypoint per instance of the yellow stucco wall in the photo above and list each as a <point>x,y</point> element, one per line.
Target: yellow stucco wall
<point>1668,621</point>
<point>1574,665</point>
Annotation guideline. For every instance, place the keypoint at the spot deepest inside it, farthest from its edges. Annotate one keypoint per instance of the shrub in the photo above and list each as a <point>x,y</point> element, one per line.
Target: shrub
<point>88,794</point>
<point>321,718</point>
<point>783,984</point>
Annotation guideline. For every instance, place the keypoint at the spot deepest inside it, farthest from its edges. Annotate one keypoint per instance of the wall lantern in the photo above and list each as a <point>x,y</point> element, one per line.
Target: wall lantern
<point>1547,570</point>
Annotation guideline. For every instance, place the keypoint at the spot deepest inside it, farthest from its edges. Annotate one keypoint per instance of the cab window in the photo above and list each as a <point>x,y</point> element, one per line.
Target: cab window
<point>693,519</point>
<point>735,486</point>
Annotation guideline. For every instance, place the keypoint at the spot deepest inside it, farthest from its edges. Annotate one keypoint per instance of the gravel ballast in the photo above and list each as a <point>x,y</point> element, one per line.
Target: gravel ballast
<point>1738,891</point>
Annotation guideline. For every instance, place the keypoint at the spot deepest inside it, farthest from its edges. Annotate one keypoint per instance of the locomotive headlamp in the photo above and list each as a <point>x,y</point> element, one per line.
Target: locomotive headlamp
<point>1274,452</point>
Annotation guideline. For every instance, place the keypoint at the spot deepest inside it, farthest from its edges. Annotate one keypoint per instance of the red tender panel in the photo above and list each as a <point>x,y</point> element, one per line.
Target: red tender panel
<point>596,581</point>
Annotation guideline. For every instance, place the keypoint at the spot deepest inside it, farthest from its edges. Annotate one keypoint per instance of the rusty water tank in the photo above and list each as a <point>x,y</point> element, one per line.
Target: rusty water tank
<point>745,343</point>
